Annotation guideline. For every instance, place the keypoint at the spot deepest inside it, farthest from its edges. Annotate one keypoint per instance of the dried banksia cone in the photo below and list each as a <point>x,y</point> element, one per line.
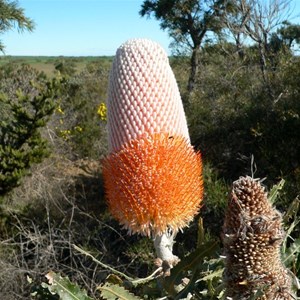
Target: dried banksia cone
<point>252,235</point>
<point>152,175</point>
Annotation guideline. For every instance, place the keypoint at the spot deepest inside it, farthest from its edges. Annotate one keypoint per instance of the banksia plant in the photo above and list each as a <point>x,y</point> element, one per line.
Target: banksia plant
<point>252,235</point>
<point>152,175</point>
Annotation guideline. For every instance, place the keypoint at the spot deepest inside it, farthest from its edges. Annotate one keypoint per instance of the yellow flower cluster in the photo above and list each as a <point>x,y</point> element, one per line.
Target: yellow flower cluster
<point>59,110</point>
<point>78,128</point>
<point>65,134</point>
<point>102,112</point>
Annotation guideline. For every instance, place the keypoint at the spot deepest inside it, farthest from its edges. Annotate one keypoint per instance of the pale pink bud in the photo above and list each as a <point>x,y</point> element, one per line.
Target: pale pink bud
<point>143,97</point>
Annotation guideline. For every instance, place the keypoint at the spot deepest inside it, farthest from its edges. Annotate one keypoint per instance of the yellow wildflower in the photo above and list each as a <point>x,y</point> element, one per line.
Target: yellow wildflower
<point>59,110</point>
<point>102,111</point>
<point>65,134</point>
<point>78,128</point>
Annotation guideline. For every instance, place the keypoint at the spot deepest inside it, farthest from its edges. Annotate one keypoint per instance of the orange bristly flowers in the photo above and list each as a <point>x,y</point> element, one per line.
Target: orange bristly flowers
<point>153,176</point>
<point>151,184</point>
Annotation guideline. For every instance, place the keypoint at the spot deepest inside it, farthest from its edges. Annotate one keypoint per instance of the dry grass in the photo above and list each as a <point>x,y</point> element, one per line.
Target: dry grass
<point>61,204</point>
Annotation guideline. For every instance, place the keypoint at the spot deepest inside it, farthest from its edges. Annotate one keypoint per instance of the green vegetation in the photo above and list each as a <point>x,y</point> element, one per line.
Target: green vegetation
<point>231,120</point>
<point>243,112</point>
<point>48,64</point>
<point>23,114</point>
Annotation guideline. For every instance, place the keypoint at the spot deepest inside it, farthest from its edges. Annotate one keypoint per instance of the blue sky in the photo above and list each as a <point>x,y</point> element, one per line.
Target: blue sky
<point>81,27</point>
<point>85,27</point>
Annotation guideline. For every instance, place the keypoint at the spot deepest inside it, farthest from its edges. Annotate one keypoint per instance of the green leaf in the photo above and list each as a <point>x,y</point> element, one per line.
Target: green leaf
<point>215,274</point>
<point>292,211</point>
<point>190,286</point>
<point>64,288</point>
<point>114,291</point>
<point>291,214</point>
<point>201,233</point>
<point>274,192</point>
<point>190,262</point>
<point>196,278</point>
<point>258,293</point>
<point>292,252</point>
<point>288,234</point>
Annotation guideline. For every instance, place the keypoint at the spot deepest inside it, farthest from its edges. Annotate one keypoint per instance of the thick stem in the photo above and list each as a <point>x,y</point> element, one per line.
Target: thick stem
<point>164,249</point>
<point>164,246</point>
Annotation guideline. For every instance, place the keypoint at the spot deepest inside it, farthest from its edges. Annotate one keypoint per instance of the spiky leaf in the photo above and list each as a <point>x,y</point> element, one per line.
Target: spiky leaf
<point>190,262</point>
<point>63,287</point>
<point>292,252</point>
<point>292,211</point>
<point>114,291</point>
<point>274,192</point>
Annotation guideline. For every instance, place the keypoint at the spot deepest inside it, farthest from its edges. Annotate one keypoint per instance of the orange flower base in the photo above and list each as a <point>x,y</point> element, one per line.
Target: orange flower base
<point>154,184</point>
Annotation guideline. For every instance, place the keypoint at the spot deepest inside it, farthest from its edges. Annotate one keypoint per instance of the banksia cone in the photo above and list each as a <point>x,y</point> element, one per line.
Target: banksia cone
<point>252,235</point>
<point>152,175</point>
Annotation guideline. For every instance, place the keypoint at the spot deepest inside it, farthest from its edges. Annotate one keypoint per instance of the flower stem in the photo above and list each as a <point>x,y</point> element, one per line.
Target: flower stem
<point>164,249</point>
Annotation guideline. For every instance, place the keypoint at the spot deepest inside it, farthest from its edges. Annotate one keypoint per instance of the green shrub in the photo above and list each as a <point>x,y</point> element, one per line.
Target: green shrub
<point>81,130</point>
<point>25,108</point>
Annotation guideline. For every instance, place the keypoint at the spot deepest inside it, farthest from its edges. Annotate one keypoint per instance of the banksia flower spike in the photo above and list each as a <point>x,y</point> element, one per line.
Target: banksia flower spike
<point>252,235</point>
<point>152,175</point>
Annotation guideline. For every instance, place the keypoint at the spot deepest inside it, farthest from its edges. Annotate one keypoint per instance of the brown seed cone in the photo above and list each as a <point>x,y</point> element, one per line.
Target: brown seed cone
<point>252,235</point>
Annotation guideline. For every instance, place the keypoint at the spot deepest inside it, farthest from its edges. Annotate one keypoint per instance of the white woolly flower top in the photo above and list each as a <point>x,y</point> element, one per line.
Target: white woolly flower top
<point>143,97</point>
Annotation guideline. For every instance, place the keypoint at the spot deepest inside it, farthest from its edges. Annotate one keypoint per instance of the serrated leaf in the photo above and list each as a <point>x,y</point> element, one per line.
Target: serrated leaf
<point>293,250</point>
<point>292,211</point>
<point>63,287</point>
<point>195,278</point>
<point>288,234</point>
<point>190,286</point>
<point>114,291</point>
<point>190,262</point>
<point>213,275</point>
<point>274,192</point>
<point>114,279</point>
